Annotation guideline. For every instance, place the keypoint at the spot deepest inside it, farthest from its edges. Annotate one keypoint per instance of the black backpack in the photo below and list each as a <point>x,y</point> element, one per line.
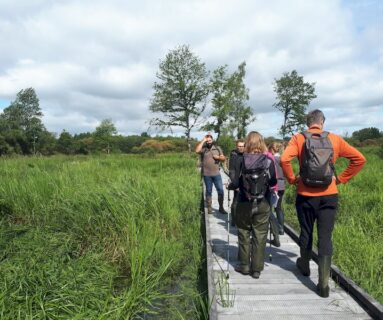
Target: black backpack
<point>317,168</point>
<point>255,176</point>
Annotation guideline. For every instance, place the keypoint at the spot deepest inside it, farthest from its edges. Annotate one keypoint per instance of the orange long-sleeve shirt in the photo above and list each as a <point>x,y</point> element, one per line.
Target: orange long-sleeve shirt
<point>341,149</point>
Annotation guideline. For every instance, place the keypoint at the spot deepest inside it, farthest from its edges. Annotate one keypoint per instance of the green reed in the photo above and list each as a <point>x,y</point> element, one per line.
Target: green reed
<point>114,237</point>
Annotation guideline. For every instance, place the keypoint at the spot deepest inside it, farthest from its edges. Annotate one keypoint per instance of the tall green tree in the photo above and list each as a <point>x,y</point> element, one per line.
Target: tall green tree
<point>181,92</point>
<point>24,111</point>
<point>293,97</point>
<point>46,143</point>
<point>4,146</point>
<point>230,114</point>
<point>105,129</point>
<point>241,115</point>
<point>221,102</point>
<point>65,142</point>
<point>23,118</point>
<point>104,133</point>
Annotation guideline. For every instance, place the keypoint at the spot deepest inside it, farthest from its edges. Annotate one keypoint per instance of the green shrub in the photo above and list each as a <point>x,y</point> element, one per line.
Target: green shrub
<point>227,143</point>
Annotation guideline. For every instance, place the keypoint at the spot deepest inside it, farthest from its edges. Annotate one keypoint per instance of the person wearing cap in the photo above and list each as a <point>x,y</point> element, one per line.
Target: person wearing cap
<point>318,203</point>
<point>211,157</point>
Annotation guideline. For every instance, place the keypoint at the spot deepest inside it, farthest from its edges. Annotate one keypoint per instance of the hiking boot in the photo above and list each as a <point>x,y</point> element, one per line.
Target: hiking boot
<point>303,263</point>
<point>208,203</point>
<point>275,242</point>
<point>245,271</point>
<point>324,267</point>
<point>256,274</point>
<point>220,202</point>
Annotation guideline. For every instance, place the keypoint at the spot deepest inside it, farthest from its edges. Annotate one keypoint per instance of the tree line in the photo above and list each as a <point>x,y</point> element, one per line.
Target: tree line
<point>184,92</point>
<point>23,132</point>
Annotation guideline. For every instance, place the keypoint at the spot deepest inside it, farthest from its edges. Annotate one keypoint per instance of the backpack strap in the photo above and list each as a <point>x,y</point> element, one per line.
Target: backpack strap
<point>268,163</point>
<point>203,153</point>
<point>333,169</point>
<point>219,150</point>
<point>306,134</point>
<point>324,134</point>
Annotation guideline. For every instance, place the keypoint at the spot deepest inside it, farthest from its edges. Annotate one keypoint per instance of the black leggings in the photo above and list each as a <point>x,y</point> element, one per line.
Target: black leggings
<point>323,209</point>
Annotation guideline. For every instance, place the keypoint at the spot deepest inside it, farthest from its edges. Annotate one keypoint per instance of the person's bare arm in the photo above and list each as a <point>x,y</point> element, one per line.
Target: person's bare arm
<point>221,157</point>
<point>199,146</point>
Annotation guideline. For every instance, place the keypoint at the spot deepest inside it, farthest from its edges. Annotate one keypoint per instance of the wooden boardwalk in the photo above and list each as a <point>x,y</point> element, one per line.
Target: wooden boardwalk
<point>280,293</point>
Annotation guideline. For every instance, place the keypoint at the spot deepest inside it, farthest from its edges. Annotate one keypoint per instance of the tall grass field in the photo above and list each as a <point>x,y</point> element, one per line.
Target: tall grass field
<point>114,237</point>
<point>119,237</point>
<point>358,232</point>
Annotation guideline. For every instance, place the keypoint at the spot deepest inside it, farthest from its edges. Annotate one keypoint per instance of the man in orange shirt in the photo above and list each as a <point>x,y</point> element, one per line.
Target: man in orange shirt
<point>318,203</point>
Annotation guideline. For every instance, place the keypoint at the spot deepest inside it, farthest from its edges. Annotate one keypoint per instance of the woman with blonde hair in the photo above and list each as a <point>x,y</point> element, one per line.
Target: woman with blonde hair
<point>253,174</point>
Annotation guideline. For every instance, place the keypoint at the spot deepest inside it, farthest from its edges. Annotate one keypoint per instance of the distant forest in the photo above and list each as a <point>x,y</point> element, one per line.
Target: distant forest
<point>22,132</point>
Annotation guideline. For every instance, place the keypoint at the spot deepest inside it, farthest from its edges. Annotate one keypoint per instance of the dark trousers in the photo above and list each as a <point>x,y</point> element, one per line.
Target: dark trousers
<point>279,210</point>
<point>233,208</point>
<point>323,210</point>
<point>252,220</point>
<point>274,225</point>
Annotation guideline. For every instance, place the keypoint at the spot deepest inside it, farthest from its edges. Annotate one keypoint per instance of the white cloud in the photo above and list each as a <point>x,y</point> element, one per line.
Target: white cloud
<point>90,60</point>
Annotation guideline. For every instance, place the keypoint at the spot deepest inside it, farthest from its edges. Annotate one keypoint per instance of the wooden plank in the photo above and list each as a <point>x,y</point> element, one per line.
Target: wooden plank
<point>280,293</point>
<point>272,279</point>
<point>281,289</point>
<point>270,316</point>
<point>296,304</point>
<point>283,265</point>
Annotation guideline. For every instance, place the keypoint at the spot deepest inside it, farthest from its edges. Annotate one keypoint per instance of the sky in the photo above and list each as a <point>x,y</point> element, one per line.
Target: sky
<point>90,60</point>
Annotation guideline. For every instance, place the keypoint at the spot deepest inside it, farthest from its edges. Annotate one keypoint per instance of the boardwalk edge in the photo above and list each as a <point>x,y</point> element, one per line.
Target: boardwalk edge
<point>213,315</point>
<point>368,303</point>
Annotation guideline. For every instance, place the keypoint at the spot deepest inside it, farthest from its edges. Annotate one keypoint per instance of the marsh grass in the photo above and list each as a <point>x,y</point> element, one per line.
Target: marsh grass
<point>357,236</point>
<point>225,293</point>
<point>113,237</point>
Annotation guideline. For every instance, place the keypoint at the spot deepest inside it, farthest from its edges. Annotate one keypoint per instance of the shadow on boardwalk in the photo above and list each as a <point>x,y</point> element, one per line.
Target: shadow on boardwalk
<point>281,257</point>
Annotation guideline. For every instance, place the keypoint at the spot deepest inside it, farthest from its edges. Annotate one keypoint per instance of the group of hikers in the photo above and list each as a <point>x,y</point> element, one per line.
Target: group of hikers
<point>257,175</point>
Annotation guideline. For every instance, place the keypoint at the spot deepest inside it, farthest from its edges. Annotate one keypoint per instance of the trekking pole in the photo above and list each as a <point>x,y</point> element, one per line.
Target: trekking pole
<point>270,254</point>
<point>228,233</point>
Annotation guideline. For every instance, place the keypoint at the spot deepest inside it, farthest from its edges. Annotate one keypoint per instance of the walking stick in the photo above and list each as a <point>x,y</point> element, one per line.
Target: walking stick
<point>270,254</point>
<point>228,233</point>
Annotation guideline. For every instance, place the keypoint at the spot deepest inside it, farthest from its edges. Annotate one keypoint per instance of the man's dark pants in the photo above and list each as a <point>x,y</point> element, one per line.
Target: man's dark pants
<point>323,210</point>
